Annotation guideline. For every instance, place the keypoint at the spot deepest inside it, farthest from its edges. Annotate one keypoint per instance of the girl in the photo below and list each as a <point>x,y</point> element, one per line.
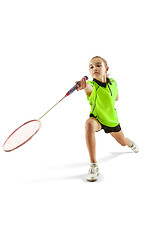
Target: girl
<point>101,93</point>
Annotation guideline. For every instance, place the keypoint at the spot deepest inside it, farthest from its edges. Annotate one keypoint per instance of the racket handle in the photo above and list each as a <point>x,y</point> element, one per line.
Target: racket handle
<point>74,87</point>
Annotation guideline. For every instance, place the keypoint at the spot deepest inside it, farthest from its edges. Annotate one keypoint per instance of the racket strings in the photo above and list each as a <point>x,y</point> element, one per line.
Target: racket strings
<point>22,135</point>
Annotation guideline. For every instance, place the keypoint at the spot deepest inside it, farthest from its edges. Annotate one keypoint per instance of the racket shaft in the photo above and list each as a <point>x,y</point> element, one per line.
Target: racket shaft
<point>52,108</point>
<point>67,94</point>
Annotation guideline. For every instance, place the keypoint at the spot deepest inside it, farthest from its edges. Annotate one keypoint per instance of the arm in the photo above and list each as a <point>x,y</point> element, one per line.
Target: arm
<point>88,89</point>
<point>117,97</point>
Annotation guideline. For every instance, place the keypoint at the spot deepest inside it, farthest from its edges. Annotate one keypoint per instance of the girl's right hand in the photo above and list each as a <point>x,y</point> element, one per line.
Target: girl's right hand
<point>82,84</point>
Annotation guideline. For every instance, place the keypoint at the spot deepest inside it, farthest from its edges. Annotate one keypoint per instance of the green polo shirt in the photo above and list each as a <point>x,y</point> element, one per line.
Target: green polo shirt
<point>102,101</point>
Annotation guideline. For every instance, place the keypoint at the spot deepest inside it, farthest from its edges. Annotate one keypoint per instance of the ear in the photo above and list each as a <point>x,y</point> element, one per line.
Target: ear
<point>107,69</point>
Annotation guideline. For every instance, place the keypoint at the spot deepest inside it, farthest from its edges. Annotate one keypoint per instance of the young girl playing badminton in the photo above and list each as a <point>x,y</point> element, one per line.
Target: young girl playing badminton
<point>101,93</point>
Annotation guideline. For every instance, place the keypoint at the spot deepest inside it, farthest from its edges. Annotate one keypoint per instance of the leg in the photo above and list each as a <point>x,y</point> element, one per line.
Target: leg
<point>92,126</point>
<point>120,138</point>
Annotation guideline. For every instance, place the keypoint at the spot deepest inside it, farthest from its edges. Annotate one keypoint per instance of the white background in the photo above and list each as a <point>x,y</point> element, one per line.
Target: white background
<point>45,46</point>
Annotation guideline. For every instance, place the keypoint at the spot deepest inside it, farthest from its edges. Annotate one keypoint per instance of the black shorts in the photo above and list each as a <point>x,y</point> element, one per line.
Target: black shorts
<point>106,128</point>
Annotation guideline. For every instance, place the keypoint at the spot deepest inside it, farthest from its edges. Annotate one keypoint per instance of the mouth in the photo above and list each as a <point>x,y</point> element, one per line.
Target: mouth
<point>96,73</point>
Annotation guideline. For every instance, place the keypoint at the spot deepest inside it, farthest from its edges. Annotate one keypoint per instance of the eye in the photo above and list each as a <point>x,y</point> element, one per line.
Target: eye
<point>91,67</point>
<point>98,65</point>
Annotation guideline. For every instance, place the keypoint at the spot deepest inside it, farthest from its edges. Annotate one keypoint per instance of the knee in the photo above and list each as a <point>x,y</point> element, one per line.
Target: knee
<point>89,126</point>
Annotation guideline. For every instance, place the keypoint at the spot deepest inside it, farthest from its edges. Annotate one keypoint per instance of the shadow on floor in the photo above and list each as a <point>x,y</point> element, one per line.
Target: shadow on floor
<point>83,164</point>
<point>77,165</point>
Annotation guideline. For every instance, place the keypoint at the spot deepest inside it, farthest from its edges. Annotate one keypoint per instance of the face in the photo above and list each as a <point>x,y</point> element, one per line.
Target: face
<point>98,69</point>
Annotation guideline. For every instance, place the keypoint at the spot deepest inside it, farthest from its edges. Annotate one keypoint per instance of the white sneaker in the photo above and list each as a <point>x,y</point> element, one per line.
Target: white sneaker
<point>93,172</point>
<point>134,147</point>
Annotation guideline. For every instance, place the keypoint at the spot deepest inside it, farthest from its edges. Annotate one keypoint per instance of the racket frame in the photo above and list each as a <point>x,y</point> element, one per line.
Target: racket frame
<point>37,120</point>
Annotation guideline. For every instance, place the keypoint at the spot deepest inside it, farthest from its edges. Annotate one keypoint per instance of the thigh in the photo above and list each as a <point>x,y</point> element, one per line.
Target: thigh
<point>94,123</point>
<point>119,136</point>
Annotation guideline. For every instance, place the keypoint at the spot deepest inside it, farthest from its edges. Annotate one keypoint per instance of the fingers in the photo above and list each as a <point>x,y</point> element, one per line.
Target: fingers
<point>82,84</point>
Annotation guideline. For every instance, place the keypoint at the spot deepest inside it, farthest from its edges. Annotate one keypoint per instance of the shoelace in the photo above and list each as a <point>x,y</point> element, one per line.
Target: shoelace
<point>93,170</point>
<point>133,146</point>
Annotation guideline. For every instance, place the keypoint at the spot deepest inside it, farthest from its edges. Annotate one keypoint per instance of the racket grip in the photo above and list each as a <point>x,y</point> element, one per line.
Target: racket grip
<point>74,87</point>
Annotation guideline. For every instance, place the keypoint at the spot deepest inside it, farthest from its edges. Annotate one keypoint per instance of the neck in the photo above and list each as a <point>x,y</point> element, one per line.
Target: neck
<point>102,79</point>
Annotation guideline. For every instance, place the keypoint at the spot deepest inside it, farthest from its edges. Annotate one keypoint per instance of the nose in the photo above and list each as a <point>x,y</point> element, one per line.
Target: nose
<point>94,69</point>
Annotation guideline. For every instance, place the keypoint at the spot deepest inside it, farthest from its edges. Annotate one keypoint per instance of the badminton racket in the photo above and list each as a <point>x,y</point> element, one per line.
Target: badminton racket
<point>27,130</point>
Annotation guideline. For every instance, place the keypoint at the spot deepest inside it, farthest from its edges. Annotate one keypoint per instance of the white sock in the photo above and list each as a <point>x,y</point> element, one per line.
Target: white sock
<point>94,164</point>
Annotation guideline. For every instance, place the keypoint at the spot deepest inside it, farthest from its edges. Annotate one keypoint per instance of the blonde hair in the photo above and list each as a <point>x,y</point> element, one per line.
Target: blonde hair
<point>105,62</point>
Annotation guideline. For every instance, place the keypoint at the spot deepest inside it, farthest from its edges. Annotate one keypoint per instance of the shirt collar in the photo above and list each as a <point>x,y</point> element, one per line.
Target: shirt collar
<point>101,83</point>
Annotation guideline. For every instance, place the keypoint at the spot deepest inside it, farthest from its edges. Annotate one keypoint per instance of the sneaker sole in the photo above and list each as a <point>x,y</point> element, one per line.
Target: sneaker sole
<point>93,180</point>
